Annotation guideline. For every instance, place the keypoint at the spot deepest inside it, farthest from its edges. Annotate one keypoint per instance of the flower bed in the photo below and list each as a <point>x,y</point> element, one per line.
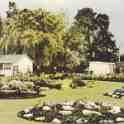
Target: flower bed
<point>51,84</point>
<point>78,112</point>
<point>26,89</point>
<point>117,93</point>
<point>15,94</point>
<point>18,89</point>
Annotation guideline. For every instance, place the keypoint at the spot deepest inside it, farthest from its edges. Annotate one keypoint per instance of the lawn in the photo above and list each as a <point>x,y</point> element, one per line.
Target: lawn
<point>9,108</point>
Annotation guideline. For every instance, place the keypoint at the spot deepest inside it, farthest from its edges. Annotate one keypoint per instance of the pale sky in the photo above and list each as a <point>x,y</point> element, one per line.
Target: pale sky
<point>114,8</point>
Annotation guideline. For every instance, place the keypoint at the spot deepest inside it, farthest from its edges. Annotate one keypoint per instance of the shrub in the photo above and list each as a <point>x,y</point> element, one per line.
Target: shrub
<point>5,87</point>
<point>20,85</point>
<point>55,86</point>
<point>18,89</point>
<point>114,77</point>
<point>29,85</point>
<point>41,83</point>
<point>77,82</point>
<point>14,84</point>
<point>1,84</point>
<point>60,76</point>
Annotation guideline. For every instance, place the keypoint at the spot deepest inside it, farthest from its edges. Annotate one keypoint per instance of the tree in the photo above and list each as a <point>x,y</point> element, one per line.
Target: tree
<point>74,49</point>
<point>85,21</point>
<point>98,40</point>
<point>78,40</point>
<point>104,45</point>
<point>41,34</point>
<point>38,33</point>
<point>12,9</point>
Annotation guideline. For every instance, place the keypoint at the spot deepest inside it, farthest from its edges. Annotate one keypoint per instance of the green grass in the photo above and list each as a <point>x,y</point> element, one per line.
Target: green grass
<point>9,108</point>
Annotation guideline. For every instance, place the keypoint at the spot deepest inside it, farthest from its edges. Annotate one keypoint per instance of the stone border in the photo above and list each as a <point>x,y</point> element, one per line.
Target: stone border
<point>77,112</point>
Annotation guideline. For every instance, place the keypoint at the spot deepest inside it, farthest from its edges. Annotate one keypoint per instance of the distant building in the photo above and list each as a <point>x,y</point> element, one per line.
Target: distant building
<point>102,68</point>
<point>13,64</point>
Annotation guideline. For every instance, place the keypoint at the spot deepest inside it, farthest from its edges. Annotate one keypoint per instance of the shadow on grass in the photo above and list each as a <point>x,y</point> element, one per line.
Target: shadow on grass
<point>21,97</point>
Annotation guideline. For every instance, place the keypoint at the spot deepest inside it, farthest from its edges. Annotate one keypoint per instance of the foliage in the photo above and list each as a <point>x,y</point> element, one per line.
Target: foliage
<point>90,94</point>
<point>18,85</point>
<point>35,32</point>
<point>114,77</point>
<point>98,40</point>
<point>18,89</point>
<point>53,47</point>
<point>78,82</point>
<point>75,51</point>
<point>1,84</point>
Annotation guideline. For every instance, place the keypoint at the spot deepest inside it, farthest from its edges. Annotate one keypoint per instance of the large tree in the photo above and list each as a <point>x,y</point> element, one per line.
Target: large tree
<point>98,40</point>
<point>85,21</point>
<point>78,40</point>
<point>74,49</point>
<point>104,45</point>
<point>38,33</point>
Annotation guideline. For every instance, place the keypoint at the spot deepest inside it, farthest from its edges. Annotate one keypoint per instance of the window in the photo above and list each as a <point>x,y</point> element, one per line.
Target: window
<point>15,68</point>
<point>7,66</point>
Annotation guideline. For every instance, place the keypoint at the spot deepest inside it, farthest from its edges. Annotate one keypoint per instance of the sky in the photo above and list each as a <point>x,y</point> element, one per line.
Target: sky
<point>114,8</point>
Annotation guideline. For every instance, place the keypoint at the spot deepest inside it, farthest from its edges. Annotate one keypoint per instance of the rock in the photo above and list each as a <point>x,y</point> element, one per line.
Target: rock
<point>46,108</point>
<point>85,121</point>
<point>65,112</point>
<point>91,106</point>
<point>78,112</point>
<point>58,106</point>
<point>119,119</point>
<point>68,103</point>
<point>79,105</point>
<point>44,88</point>
<point>27,110</point>
<point>106,105</point>
<point>28,116</point>
<point>115,96</point>
<point>115,110</point>
<point>110,94</point>
<point>67,108</point>
<point>56,121</point>
<point>106,122</point>
<point>5,87</point>
<point>40,119</point>
<point>89,112</point>
<point>81,102</point>
<point>79,121</point>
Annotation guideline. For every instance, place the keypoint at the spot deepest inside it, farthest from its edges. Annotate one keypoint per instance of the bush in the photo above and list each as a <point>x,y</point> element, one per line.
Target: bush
<point>55,86</point>
<point>77,82</point>
<point>60,76</point>
<point>114,77</point>
<point>5,87</point>
<point>20,85</point>
<point>29,85</point>
<point>41,83</point>
<point>14,84</point>
<point>17,89</point>
<point>1,84</point>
